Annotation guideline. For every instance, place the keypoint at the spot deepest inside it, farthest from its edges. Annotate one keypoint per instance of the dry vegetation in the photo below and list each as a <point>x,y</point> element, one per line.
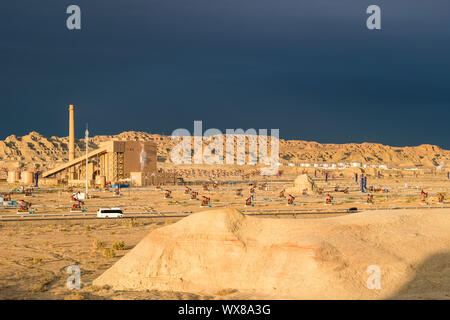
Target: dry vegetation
<point>34,257</point>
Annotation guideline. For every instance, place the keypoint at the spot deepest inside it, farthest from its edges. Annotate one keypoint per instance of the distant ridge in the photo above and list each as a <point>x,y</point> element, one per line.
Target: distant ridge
<point>46,152</point>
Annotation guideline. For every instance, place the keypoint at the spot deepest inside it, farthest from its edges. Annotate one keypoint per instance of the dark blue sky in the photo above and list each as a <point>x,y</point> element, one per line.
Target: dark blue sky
<point>310,68</point>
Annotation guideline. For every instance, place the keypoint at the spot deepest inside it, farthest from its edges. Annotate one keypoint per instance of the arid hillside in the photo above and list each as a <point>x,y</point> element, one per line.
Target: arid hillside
<point>34,150</point>
<point>223,249</point>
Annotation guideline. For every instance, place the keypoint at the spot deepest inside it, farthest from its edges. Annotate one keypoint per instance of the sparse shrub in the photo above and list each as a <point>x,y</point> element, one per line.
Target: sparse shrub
<point>131,223</point>
<point>74,296</point>
<point>118,245</point>
<point>36,260</point>
<point>225,292</point>
<point>42,284</point>
<point>109,253</point>
<point>38,288</point>
<point>97,244</point>
<point>96,288</point>
<point>32,261</point>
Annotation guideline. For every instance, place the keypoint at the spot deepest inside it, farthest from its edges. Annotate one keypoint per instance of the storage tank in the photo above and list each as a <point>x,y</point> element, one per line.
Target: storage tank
<point>27,177</point>
<point>100,180</point>
<point>13,176</point>
<point>49,181</point>
<point>137,178</point>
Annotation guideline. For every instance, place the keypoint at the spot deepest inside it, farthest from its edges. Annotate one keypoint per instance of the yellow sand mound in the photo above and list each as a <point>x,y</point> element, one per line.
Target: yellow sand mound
<point>302,183</point>
<point>293,258</point>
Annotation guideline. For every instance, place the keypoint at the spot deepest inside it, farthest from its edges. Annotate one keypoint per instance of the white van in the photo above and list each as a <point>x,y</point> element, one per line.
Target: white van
<point>109,213</point>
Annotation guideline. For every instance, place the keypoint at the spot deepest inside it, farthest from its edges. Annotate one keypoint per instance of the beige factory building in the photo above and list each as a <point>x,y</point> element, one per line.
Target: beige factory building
<point>112,162</point>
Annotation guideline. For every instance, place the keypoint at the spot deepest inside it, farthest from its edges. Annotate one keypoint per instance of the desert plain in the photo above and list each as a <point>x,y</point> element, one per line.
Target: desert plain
<point>306,250</point>
<point>304,233</point>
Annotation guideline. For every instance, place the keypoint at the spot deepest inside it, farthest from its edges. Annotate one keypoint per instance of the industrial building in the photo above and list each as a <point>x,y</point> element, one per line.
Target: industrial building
<point>112,162</point>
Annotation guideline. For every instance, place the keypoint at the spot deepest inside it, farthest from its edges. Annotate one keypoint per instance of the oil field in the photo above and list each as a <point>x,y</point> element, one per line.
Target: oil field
<point>227,156</point>
<point>208,231</point>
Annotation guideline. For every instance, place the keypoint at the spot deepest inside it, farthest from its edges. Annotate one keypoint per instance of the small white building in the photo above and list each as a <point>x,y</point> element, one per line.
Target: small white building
<point>356,164</point>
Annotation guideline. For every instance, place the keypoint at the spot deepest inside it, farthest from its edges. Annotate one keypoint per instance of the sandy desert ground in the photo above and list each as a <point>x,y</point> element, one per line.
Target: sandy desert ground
<point>409,239</point>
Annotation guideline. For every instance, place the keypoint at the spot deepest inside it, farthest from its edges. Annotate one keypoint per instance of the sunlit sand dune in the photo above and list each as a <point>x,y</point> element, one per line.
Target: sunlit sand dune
<point>217,250</point>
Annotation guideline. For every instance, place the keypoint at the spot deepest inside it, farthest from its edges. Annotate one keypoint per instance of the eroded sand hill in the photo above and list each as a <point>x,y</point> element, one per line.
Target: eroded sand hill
<point>303,183</point>
<point>324,258</point>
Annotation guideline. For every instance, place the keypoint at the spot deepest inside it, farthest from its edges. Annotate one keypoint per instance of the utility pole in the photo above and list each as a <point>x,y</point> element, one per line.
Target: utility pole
<point>87,167</point>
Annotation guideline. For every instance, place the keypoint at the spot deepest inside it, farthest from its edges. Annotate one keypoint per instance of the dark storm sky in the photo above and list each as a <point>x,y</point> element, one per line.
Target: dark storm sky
<point>310,68</point>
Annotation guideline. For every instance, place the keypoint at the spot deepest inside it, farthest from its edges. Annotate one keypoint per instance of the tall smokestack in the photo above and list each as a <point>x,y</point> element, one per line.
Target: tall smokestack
<point>71,134</point>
